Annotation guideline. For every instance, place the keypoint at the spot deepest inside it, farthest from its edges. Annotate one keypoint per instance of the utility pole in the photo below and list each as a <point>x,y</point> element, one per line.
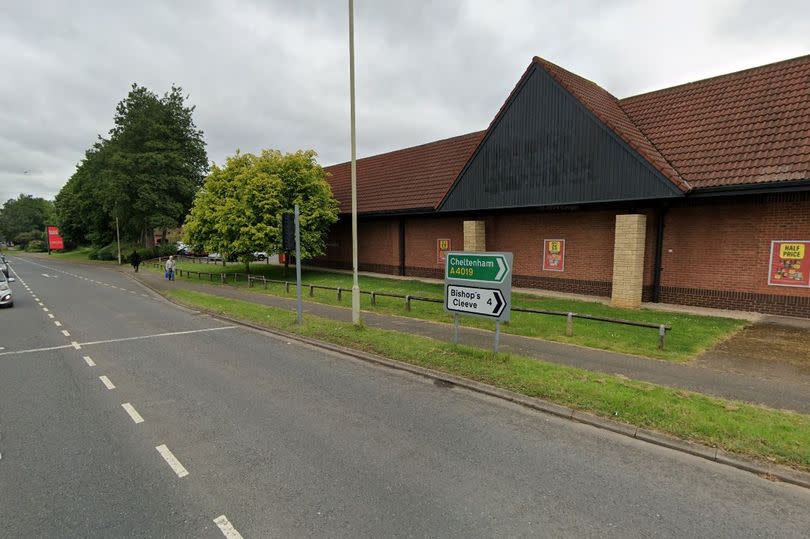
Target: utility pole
<point>355,284</point>
<point>118,238</point>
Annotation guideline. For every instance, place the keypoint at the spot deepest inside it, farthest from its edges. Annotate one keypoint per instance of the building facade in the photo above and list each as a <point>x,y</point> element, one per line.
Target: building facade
<point>697,194</point>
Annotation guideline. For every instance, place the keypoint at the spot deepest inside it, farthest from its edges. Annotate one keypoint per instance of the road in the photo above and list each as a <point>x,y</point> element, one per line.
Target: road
<point>264,437</point>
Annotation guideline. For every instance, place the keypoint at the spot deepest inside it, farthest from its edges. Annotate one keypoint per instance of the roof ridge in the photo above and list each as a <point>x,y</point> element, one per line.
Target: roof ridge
<point>471,133</point>
<point>675,177</point>
<point>722,76</point>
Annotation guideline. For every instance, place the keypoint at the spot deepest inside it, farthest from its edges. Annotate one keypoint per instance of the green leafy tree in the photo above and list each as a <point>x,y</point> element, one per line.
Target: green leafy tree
<point>25,214</point>
<point>239,209</point>
<point>145,173</point>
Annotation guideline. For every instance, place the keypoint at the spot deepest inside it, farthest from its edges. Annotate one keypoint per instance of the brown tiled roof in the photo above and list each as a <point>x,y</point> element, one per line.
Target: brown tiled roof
<point>414,178</point>
<point>606,107</point>
<point>742,128</point>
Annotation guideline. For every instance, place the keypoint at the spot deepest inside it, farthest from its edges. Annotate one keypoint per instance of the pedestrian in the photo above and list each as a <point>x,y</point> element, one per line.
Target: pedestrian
<point>135,260</point>
<point>170,265</point>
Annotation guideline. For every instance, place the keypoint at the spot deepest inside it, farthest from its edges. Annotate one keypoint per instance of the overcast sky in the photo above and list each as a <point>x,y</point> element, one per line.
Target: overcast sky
<point>274,73</point>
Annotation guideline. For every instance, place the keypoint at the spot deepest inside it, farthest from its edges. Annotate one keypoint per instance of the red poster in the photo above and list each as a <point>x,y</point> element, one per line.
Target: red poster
<point>55,242</point>
<point>790,263</point>
<point>553,255</point>
<point>442,246</point>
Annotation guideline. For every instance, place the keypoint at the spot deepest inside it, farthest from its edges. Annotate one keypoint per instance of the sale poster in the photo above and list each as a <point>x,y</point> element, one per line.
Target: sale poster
<point>553,255</point>
<point>55,242</point>
<point>790,262</point>
<point>442,247</point>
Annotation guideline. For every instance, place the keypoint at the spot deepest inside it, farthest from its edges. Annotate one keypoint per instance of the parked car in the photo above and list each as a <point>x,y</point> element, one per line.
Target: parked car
<point>6,295</point>
<point>183,249</point>
<point>215,257</point>
<point>4,265</point>
<point>260,255</point>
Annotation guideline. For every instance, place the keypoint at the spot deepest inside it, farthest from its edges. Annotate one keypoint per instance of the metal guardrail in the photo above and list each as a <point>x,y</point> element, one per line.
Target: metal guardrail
<point>569,315</point>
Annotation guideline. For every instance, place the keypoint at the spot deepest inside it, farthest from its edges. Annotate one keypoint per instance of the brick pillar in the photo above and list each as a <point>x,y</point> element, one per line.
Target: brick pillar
<point>628,260</point>
<point>475,237</point>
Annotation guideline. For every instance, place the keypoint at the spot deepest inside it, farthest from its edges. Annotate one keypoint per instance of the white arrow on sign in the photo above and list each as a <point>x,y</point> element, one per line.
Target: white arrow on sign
<point>474,300</point>
<point>501,269</point>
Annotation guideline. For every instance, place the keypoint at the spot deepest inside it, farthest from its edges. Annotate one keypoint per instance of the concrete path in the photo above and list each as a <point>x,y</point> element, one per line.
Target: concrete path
<point>784,392</point>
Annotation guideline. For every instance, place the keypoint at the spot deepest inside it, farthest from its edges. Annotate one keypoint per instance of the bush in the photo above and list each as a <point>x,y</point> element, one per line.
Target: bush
<point>92,254</point>
<point>36,246</point>
<point>108,252</point>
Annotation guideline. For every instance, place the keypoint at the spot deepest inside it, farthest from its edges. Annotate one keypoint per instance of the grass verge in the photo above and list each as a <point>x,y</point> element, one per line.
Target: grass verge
<point>690,335</point>
<point>754,431</point>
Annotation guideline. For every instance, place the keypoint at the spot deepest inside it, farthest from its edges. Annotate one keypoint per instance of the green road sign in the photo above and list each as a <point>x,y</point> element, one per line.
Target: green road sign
<point>483,267</point>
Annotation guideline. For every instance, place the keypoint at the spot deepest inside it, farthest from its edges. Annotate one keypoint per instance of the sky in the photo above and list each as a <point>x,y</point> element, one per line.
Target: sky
<point>274,73</point>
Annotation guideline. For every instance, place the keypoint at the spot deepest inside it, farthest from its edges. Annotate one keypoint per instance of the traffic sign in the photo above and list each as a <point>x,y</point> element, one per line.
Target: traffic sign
<point>478,284</point>
<point>484,267</point>
<point>474,300</point>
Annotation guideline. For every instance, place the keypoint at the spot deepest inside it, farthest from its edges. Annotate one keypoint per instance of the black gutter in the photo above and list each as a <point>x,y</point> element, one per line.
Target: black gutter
<point>659,253</point>
<point>787,186</point>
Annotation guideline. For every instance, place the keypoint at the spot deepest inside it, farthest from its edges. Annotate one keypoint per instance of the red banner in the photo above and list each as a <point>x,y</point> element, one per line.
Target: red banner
<point>55,241</point>
<point>553,255</point>
<point>442,246</point>
<point>790,264</point>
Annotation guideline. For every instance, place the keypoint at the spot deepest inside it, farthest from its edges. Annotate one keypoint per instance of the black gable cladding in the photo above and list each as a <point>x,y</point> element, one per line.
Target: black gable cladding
<point>548,149</point>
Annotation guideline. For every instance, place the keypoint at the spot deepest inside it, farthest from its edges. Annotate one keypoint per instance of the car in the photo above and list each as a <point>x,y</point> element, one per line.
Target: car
<point>260,255</point>
<point>215,257</point>
<point>4,265</point>
<point>6,295</point>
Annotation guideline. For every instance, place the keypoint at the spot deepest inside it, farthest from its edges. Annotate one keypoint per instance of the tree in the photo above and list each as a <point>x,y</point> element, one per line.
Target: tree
<point>25,214</point>
<point>239,208</point>
<point>145,173</point>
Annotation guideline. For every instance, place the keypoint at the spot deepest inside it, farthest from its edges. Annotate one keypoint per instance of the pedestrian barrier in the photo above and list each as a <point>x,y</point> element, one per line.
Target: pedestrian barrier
<point>408,299</point>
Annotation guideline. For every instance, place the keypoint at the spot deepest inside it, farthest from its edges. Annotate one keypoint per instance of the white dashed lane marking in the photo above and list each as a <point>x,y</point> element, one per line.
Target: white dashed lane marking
<point>172,461</point>
<point>89,361</point>
<point>50,315</point>
<point>76,345</point>
<point>58,323</point>
<point>133,413</point>
<point>106,382</point>
<point>227,528</point>
<point>66,333</point>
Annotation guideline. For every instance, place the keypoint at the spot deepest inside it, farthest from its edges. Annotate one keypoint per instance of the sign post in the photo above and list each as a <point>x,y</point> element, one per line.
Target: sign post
<point>478,284</point>
<point>299,303</point>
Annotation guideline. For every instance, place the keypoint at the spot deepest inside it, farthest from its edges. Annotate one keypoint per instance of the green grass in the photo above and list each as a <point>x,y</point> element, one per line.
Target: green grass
<point>745,429</point>
<point>80,254</point>
<point>690,335</point>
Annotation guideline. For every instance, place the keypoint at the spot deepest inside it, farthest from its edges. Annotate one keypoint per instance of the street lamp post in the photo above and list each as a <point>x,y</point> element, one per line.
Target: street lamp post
<point>355,284</point>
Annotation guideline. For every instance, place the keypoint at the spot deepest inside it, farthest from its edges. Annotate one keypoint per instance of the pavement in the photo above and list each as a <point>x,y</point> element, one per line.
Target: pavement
<point>783,387</point>
<point>274,438</point>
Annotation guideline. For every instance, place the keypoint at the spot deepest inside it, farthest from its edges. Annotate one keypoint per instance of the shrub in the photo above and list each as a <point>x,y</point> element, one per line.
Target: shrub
<point>36,246</point>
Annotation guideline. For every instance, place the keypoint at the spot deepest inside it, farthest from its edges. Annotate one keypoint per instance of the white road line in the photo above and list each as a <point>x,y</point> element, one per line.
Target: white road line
<point>57,323</point>
<point>79,345</point>
<point>66,333</point>
<point>133,413</point>
<point>172,461</point>
<point>50,315</point>
<point>106,382</point>
<point>76,345</point>
<point>89,361</point>
<point>227,528</point>
<point>45,309</point>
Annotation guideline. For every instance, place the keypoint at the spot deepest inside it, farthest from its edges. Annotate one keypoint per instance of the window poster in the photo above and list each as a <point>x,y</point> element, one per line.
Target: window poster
<point>553,255</point>
<point>442,247</point>
<point>790,262</point>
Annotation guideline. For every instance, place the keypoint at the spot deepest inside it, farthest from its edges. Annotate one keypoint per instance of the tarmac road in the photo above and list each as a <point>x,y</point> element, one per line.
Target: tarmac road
<point>286,440</point>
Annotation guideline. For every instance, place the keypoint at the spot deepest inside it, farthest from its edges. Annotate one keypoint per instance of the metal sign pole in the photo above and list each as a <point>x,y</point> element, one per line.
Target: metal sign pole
<point>455,328</point>
<point>299,306</point>
<point>497,336</point>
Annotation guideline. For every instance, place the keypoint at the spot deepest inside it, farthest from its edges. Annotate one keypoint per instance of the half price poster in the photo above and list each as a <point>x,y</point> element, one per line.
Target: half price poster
<point>790,264</point>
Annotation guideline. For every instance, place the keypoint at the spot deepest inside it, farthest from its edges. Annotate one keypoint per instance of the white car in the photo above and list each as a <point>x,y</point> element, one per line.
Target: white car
<point>6,296</point>
<point>215,256</point>
<point>260,255</point>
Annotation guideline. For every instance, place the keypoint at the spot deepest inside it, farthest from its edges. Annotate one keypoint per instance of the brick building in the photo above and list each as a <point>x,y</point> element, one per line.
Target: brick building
<point>697,194</point>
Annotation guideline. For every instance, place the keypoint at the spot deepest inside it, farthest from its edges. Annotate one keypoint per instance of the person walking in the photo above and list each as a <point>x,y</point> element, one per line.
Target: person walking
<point>170,265</point>
<point>135,260</point>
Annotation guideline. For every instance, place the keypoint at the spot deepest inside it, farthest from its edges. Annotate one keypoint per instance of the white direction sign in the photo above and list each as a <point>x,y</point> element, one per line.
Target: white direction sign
<point>478,284</point>
<point>475,300</point>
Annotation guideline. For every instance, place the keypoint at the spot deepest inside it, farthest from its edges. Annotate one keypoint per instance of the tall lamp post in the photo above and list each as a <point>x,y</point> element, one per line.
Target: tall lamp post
<point>355,284</point>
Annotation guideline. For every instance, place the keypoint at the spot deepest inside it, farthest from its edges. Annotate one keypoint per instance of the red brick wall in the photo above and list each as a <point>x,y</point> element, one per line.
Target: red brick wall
<point>421,235</point>
<point>377,245</point>
<point>717,253</point>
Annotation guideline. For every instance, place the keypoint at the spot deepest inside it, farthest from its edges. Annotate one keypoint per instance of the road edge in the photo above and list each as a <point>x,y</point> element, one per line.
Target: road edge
<point>766,471</point>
